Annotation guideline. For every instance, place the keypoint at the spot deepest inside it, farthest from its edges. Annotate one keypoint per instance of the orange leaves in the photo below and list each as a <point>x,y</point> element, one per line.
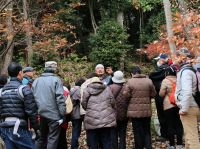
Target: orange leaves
<point>186,34</point>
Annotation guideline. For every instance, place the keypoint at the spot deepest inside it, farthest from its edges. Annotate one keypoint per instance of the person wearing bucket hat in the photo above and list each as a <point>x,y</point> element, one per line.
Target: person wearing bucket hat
<point>138,92</point>
<point>28,76</point>
<point>121,111</point>
<point>48,92</point>
<point>185,90</point>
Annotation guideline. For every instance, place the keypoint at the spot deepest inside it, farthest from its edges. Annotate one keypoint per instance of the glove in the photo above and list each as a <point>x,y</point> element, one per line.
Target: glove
<point>37,134</point>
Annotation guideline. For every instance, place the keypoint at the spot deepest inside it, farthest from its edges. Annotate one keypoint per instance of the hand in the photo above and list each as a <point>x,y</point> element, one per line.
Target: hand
<point>38,134</point>
<point>182,113</point>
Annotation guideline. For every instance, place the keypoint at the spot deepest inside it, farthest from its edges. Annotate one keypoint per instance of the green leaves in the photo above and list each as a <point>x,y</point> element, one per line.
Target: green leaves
<point>108,44</point>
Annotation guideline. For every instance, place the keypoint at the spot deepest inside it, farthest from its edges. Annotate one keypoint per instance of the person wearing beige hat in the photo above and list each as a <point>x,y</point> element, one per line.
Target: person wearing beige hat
<point>119,132</point>
<point>48,92</point>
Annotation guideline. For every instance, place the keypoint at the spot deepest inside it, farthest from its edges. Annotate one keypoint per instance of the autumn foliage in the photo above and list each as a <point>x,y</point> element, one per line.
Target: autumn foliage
<point>186,34</point>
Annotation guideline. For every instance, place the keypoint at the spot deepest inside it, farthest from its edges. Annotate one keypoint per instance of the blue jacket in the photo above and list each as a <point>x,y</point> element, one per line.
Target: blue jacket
<point>48,92</point>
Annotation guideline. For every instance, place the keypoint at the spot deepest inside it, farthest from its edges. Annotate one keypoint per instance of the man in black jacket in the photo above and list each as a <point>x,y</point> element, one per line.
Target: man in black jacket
<point>157,77</point>
<point>17,105</point>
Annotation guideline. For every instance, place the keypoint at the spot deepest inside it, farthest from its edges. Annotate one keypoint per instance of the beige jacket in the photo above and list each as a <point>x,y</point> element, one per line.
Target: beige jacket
<point>165,91</point>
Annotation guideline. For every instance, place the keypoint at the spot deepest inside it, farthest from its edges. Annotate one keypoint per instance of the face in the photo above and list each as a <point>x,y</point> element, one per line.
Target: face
<point>109,70</point>
<point>30,74</point>
<point>20,75</point>
<point>100,71</point>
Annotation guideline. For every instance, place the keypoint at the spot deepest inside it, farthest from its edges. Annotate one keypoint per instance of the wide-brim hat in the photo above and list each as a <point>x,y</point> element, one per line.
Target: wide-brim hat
<point>118,77</point>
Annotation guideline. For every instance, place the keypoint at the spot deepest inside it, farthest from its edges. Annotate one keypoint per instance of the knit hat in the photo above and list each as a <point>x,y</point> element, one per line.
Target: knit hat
<point>99,66</point>
<point>118,77</point>
<point>51,64</point>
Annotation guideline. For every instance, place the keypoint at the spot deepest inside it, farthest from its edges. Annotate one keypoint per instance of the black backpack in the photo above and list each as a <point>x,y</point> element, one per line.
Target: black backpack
<point>197,94</point>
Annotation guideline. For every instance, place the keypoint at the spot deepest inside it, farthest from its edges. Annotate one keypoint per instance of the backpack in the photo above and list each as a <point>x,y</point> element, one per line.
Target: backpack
<point>197,94</point>
<point>171,96</point>
<point>18,90</point>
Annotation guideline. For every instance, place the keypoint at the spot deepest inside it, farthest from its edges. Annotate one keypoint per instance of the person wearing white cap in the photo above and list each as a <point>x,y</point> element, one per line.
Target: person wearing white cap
<point>100,71</point>
<point>48,92</point>
<point>121,111</point>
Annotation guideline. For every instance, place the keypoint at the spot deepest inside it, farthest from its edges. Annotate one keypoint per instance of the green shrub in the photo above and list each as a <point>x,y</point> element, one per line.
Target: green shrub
<point>109,44</point>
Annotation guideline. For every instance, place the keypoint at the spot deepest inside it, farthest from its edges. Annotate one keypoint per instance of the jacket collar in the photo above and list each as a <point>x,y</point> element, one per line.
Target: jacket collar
<point>46,74</point>
<point>139,76</point>
<point>15,79</point>
<point>186,65</point>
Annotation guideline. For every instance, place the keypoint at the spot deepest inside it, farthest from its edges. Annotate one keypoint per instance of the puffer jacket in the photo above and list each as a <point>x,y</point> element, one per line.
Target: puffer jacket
<point>121,102</point>
<point>11,105</point>
<point>138,91</point>
<point>48,92</point>
<point>165,91</point>
<point>185,89</point>
<point>99,104</point>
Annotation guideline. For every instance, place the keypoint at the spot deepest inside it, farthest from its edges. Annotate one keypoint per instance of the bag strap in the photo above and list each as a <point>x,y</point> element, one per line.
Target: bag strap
<point>0,92</point>
<point>20,92</point>
<point>190,68</point>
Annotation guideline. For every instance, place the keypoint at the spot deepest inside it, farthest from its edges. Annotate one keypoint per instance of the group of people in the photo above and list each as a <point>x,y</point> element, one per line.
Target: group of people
<point>103,103</point>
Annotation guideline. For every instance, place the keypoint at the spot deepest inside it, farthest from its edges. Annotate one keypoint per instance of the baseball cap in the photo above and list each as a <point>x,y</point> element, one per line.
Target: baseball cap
<point>51,64</point>
<point>28,69</point>
<point>161,56</point>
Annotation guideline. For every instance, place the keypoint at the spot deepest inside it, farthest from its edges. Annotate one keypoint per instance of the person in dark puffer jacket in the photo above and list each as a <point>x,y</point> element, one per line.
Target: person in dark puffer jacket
<point>138,91</point>
<point>100,117</point>
<point>121,111</point>
<point>16,110</point>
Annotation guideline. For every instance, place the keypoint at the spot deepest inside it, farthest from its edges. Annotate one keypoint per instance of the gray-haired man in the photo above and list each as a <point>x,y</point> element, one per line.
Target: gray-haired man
<point>48,92</point>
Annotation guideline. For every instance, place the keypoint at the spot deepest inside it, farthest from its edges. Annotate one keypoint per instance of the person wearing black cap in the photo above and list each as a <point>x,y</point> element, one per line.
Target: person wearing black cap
<point>28,76</point>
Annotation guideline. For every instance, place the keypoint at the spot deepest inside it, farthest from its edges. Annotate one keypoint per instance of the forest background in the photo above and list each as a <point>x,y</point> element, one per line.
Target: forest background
<point>78,34</point>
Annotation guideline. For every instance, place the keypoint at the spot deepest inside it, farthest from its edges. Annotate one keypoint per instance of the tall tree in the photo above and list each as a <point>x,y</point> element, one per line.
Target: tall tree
<point>27,28</point>
<point>10,34</point>
<point>169,25</point>
<point>93,20</point>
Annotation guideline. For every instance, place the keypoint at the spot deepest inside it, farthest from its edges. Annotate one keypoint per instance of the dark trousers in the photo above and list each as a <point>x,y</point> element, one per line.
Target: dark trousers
<point>50,132</point>
<point>119,132</point>
<point>142,132</point>
<point>24,141</point>
<point>76,131</point>
<point>174,126</point>
<point>62,144</point>
<point>161,116</point>
<point>97,137</point>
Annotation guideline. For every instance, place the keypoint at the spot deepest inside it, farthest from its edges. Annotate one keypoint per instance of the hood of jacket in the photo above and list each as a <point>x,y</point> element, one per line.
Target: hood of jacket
<point>96,88</point>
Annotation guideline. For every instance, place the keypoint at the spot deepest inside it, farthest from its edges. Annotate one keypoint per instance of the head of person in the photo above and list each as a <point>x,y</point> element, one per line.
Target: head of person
<point>99,69</point>
<point>91,75</point>
<point>15,70</point>
<point>3,79</point>
<point>108,69</point>
<point>50,66</point>
<point>136,70</point>
<point>171,71</point>
<point>183,56</point>
<point>29,71</point>
<point>161,59</point>
<point>118,77</point>
<point>79,81</point>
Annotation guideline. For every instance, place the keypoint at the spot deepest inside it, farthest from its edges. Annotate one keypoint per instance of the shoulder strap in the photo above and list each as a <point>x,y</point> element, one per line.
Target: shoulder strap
<point>187,68</point>
<point>0,92</point>
<point>20,91</point>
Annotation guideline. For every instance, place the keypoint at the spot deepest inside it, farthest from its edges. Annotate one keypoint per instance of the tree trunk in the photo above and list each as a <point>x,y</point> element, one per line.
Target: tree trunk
<point>94,24</point>
<point>10,45</point>
<point>28,33</point>
<point>169,23</point>
<point>183,10</point>
<point>120,18</point>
